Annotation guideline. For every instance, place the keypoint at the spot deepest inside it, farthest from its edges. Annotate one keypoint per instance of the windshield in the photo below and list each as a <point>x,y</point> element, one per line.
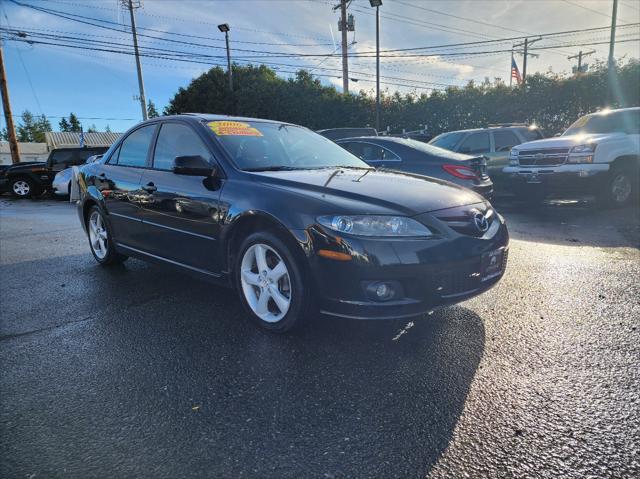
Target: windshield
<point>448,141</point>
<point>621,121</point>
<point>260,146</point>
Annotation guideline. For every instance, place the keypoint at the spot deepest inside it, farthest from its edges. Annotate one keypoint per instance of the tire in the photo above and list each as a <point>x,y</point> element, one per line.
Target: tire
<point>621,187</point>
<point>101,239</point>
<point>24,188</point>
<point>288,298</point>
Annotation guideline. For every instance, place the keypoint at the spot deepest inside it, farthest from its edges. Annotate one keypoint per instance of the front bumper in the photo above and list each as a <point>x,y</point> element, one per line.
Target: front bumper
<point>564,179</point>
<point>432,273</point>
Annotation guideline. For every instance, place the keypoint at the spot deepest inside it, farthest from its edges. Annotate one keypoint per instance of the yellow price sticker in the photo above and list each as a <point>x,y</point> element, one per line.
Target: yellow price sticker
<point>233,128</point>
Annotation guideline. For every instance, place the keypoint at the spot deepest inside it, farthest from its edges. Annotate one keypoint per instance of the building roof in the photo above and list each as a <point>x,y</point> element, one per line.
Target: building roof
<point>61,139</point>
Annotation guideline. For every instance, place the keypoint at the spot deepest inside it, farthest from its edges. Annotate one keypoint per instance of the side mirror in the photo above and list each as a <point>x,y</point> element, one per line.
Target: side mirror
<point>557,134</point>
<point>192,166</point>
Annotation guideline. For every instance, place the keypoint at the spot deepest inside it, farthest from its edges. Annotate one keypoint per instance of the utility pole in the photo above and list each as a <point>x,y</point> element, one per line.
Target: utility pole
<point>6,106</point>
<point>611,67</point>
<point>377,4</point>
<point>224,28</point>
<point>526,54</point>
<point>130,5</point>
<point>343,27</point>
<point>580,56</point>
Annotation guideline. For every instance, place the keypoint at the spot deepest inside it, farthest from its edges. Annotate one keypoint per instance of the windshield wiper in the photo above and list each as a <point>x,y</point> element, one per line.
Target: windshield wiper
<point>273,168</point>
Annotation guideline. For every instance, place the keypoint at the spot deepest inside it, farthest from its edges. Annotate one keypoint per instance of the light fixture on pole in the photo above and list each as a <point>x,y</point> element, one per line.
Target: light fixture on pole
<point>224,28</point>
<point>377,4</point>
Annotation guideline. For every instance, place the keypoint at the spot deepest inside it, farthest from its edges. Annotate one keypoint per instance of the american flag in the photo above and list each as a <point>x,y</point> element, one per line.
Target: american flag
<point>515,73</point>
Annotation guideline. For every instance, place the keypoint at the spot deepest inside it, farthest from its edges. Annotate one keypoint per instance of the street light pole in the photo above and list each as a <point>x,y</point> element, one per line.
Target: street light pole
<point>377,4</point>
<point>225,29</point>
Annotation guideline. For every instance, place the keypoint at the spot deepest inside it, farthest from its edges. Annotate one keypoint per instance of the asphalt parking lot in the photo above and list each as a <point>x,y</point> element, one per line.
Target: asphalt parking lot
<point>140,371</point>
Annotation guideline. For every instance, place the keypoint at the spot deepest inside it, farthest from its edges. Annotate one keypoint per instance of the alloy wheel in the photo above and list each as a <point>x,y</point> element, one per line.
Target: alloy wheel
<point>98,235</point>
<point>620,188</point>
<point>266,284</point>
<point>21,188</point>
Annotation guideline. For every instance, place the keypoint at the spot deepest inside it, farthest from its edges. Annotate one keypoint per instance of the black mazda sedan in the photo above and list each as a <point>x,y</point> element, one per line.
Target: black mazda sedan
<point>290,219</point>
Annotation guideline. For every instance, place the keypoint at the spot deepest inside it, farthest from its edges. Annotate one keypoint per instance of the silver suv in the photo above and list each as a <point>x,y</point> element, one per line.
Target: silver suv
<point>494,142</point>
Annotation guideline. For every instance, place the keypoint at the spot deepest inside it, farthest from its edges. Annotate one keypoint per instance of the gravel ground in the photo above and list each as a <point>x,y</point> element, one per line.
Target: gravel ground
<point>140,371</point>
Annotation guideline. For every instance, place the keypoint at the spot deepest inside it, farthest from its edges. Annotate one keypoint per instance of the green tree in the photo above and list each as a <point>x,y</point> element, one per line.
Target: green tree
<point>4,134</point>
<point>92,129</point>
<point>107,129</point>
<point>74,123</point>
<point>151,110</point>
<point>63,125</point>
<point>32,129</point>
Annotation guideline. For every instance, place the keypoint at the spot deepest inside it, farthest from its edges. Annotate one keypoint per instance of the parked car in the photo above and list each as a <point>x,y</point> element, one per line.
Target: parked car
<point>598,155</point>
<point>494,142</point>
<point>338,133</point>
<point>25,180</point>
<point>290,219</point>
<point>61,184</point>
<point>413,156</point>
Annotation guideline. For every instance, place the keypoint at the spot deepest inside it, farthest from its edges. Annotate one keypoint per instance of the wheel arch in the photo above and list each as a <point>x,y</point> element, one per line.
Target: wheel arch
<point>250,222</point>
<point>632,161</point>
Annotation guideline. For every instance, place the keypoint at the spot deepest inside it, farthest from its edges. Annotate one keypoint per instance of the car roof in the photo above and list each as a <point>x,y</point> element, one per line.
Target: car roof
<point>216,117</point>
<point>395,139</point>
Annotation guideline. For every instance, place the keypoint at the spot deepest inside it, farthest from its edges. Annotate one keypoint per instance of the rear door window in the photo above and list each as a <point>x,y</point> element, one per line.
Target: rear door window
<point>475,143</point>
<point>448,141</point>
<point>135,147</point>
<point>504,140</point>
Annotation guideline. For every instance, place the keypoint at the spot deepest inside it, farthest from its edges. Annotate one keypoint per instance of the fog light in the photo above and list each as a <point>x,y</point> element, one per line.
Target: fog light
<point>383,290</point>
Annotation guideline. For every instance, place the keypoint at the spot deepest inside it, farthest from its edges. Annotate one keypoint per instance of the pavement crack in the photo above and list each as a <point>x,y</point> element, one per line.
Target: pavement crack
<point>48,328</point>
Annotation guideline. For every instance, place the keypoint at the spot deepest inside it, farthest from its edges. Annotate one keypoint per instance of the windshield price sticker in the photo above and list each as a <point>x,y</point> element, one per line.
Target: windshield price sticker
<point>233,128</point>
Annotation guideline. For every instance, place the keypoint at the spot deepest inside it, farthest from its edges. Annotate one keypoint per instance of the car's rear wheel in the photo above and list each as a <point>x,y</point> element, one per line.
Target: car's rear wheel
<point>271,283</point>
<point>23,188</point>
<point>100,239</point>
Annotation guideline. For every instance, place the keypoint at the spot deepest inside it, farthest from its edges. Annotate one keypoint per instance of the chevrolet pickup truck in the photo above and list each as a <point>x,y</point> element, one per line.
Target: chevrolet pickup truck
<point>598,155</point>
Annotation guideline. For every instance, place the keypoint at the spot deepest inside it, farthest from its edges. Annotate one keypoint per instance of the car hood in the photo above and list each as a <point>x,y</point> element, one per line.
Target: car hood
<point>370,191</point>
<point>568,141</point>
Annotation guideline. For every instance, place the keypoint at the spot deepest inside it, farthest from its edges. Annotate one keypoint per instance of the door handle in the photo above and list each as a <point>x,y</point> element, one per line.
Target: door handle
<point>150,188</point>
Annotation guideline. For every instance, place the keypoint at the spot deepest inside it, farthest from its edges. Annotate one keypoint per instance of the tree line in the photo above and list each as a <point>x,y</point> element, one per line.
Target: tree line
<point>552,101</point>
<point>31,128</point>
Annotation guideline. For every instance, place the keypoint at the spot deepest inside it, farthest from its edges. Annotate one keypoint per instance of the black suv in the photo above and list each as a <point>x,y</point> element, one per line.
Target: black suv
<point>25,180</point>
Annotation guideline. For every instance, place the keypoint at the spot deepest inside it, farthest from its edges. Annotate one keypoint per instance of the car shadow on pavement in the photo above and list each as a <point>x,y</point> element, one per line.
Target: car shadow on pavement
<point>165,375</point>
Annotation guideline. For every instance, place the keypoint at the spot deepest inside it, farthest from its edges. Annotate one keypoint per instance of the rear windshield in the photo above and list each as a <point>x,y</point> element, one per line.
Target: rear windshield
<point>259,146</point>
<point>530,134</point>
<point>448,141</point>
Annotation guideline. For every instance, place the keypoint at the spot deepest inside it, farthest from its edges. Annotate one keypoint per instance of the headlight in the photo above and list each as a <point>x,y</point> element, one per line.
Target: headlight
<point>368,225</point>
<point>589,148</point>
<point>582,153</point>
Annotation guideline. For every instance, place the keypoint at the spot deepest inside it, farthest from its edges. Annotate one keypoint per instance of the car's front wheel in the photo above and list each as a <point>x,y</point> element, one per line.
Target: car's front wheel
<point>100,239</point>
<point>271,283</point>
<point>620,188</point>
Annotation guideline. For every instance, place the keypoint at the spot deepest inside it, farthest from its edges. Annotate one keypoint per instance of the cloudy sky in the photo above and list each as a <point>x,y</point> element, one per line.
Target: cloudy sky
<point>99,86</point>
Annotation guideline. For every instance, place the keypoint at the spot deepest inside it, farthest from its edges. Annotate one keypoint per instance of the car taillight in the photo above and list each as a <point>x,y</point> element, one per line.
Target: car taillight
<point>459,171</point>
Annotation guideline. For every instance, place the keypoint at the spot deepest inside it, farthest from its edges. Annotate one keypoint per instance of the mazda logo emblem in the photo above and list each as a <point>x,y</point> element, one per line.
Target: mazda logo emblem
<point>481,222</point>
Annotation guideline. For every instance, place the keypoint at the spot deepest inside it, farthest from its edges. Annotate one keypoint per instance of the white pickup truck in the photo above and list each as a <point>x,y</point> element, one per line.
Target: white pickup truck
<point>598,155</point>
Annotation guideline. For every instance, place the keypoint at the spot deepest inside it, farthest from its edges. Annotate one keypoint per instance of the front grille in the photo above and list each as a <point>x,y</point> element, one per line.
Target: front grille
<point>462,221</point>
<point>543,157</point>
